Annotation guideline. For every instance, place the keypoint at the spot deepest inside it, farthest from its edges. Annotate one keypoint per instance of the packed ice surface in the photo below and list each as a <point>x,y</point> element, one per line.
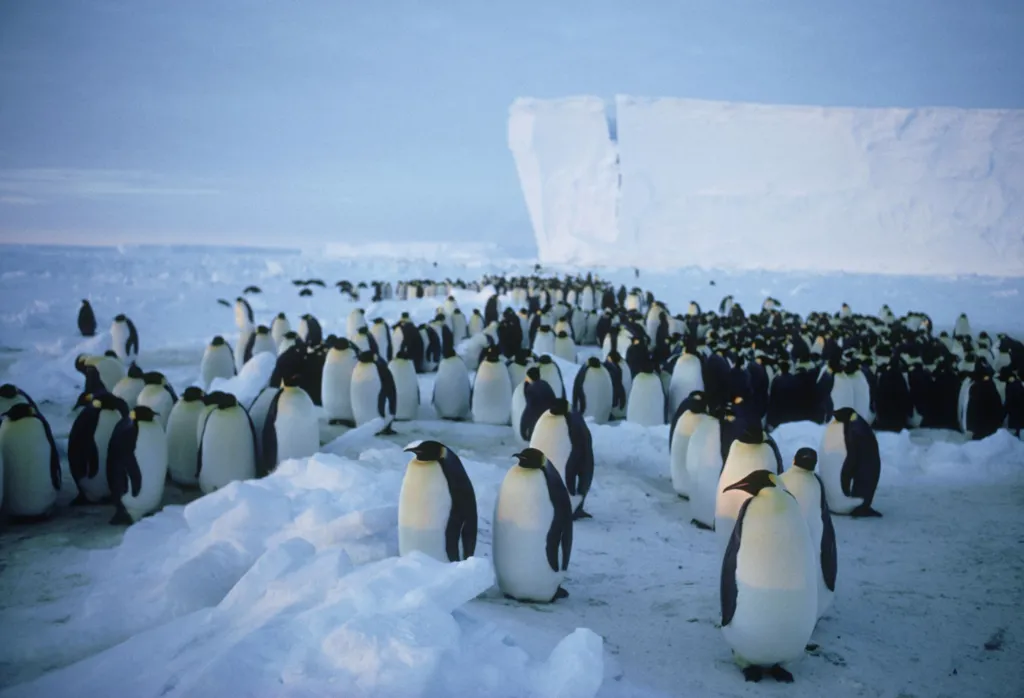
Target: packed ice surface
<point>756,186</point>
<point>290,586</point>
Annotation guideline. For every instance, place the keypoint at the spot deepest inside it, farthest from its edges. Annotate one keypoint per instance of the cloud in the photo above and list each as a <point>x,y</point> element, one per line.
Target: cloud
<point>16,200</point>
<point>39,183</point>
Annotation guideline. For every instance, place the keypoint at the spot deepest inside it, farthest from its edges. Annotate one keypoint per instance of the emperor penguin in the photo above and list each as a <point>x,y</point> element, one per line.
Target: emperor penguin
<point>564,437</point>
<point>982,409</point>
<point>227,445</point>
<point>749,452</point>
<point>279,328</point>
<point>460,327</point>
<point>705,457</point>
<point>532,528</point>
<point>356,319</point>
<point>551,374</point>
<point>768,590</point>
<point>129,387</point>
<point>218,362</point>
<point>518,365</point>
<point>850,464</point>
<point>592,391</point>
<point>86,320</point>
<point>684,422</point>
<point>437,505</point>
<point>259,342</point>
<point>137,466</point>
<point>804,484</point>
<point>372,391</point>
<point>102,372</point>
<point>124,339</point>
<point>244,318</point>
<point>289,340</point>
<point>544,341</point>
<point>622,384</point>
<point>452,389</point>
<point>336,383</point>
<point>565,347</point>
<point>530,400</point>
<point>29,464</point>
<point>381,334</point>
<point>407,386</point>
<point>310,331</point>
<point>291,429</point>
<point>157,395</point>
<point>183,437</point>
<point>88,443</point>
<point>962,328</point>
<point>476,323</point>
<point>646,405</point>
<point>687,375</point>
<point>11,395</point>
<point>491,400</point>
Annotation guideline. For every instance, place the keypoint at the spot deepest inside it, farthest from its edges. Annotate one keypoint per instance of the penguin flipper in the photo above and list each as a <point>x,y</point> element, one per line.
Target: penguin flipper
<point>727,588</point>
<point>269,455</point>
<point>464,509</point>
<point>80,455</point>
<point>56,477</point>
<point>829,554</point>
<point>579,397</point>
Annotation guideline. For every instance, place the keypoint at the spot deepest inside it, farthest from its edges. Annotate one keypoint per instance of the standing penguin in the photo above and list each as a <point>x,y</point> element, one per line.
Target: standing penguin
<point>11,395</point>
<point>88,444</point>
<point>850,464</point>
<point>29,464</point>
<point>124,339</point>
<point>592,391</point>
<point>768,589</point>
<point>804,484</point>
<point>291,429</point>
<point>646,404</point>
<point>86,320</point>
<point>437,505</point>
<point>684,423</point>
<point>537,398</point>
<point>544,341</point>
<point>407,386</point>
<point>565,439</point>
<point>157,395</point>
<point>259,342</point>
<point>687,375</point>
<point>532,530</point>
<point>129,387</point>
<point>183,437</point>
<point>227,445</point>
<point>381,334</point>
<point>279,328</point>
<point>552,375</point>
<point>373,391</point>
<point>218,362</point>
<point>565,347</point>
<point>452,389</point>
<point>336,382</point>
<point>492,390</point>
<point>310,331</point>
<point>749,452</point>
<point>137,466</point>
<point>101,372</point>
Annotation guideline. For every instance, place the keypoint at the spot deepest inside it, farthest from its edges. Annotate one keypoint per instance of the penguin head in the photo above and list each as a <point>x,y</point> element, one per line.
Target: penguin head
<point>281,316</point>
<point>83,399</point>
<point>532,374</point>
<point>8,391</point>
<point>221,400</point>
<point>560,408</point>
<point>121,318</point>
<point>293,335</point>
<point>531,459</point>
<point>111,353</point>
<point>22,410</point>
<point>135,372</point>
<point>193,394</point>
<point>154,378</point>
<point>141,413</point>
<point>544,360</point>
<point>752,433</point>
<point>341,344</point>
<point>594,362</point>
<point>109,401</point>
<point>563,335</point>
<point>615,357</point>
<point>427,451</point>
<point>378,321</point>
<point>753,483</point>
<point>80,362</point>
<point>367,357</point>
<point>523,357</point>
<point>492,354</point>
<point>262,329</point>
<point>85,302</point>
<point>844,415</point>
<point>217,341</point>
<point>806,458</point>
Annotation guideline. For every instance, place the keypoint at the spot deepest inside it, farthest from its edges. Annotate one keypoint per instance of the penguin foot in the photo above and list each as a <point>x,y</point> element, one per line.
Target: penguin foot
<point>683,496</point>
<point>701,525</point>
<point>388,431</point>
<point>80,501</point>
<point>341,422</point>
<point>560,594</point>
<point>580,514</point>
<point>864,511</point>
<point>753,674</point>
<point>780,674</point>
<point>121,518</point>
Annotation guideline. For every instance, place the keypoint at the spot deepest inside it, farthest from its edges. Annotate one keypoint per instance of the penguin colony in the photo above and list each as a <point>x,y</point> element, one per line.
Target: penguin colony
<point>722,381</point>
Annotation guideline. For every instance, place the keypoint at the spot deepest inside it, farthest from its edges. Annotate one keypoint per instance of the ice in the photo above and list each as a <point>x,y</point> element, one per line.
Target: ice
<point>721,184</point>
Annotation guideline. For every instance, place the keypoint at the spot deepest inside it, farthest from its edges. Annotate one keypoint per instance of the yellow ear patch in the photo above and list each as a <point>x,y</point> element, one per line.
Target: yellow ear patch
<point>738,400</point>
<point>132,414</point>
<point>853,417</point>
<point>97,403</point>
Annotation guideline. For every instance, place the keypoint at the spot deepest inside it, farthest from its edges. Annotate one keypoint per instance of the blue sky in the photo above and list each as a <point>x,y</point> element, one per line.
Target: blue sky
<point>280,122</point>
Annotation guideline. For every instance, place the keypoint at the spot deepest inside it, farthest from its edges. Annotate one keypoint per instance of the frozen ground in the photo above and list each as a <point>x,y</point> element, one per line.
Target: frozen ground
<point>289,585</point>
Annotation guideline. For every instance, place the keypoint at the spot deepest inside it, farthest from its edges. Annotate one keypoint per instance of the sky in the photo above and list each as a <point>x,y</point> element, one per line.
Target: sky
<point>280,123</point>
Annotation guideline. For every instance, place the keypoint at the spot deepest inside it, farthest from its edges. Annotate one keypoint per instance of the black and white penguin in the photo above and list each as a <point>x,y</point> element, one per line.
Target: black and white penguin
<point>452,389</point>
<point>537,398</point>
<point>564,437</point>
<point>244,317</point>
<point>768,589</point>
<point>565,347</point>
<point>437,505</point>
<point>518,365</point>
<point>491,400</point>
<point>102,372</point>
<point>310,331</point>
<point>804,484</point>
<point>218,362</point>
<point>129,387</point>
<point>850,464</point>
<point>29,464</point>
<point>228,448</point>
<point>381,334</point>
<point>407,386</point>
<point>982,411</point>
<point>544,341</point>
<point>88,444</point>
<point>687,375</point>
<point>183,437</point>
<point>646,405</point>
<point>11,395</point>
<point>706,453</point>
<point>551,374</point>
<point>86,320</point>
<point>137,466</point>
<point>532,530</point>
<point>336,382</point>
<point>291,429</point>
<point>372,390</point>
<point>279,328</point>
<point>259,342</point>
<point>157,395</point>
<point>289,340</point>
<point>364,341</point>
<point>748,453</point>
<point>592,391</point>
<point>124,340</point>
<point>684,422</point>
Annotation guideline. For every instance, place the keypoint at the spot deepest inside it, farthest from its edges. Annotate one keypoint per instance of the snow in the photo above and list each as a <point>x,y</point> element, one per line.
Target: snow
<point>290,585</point>
<point>719,184</point>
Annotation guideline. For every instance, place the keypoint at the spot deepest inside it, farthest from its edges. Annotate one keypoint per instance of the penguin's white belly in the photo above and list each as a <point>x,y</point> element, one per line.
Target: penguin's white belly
<point>831,457</point>
<point>335,389</point>
<point>565,349</point>
<point>451,389</point>
<point>159,400</point>
<point>128,389</point>
<point>680,444</point>
<point>111,371</point>
<point>597,387</point>
<point>544,343</point>
<point>151,455</point>
<point>522,518</point>
<point>217,363</point>
<point>518,407</point>
<point>803,485</point>
<point>776,599</point>
<point>550,375</point>
<point>263,344</point>
<point>686,377</point>
<point>646,404</point>
<point>407,390</point>
<point>183,442</point>
<point>365,392</point>
<point>424,507</point>
<point>862,397</point>
<point>843,394</point>
<point>96,488</point>
<point>743,459</point>
<point>492,395</point>
<point>228,451</point>
<point>25,456</point>
<point>279,329</point>
<point>119,335</point>
<point>704,461</point>
<point>627,389</point>
<point>551,437</point>
<point>298,433</point>
<point>259,409</point>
